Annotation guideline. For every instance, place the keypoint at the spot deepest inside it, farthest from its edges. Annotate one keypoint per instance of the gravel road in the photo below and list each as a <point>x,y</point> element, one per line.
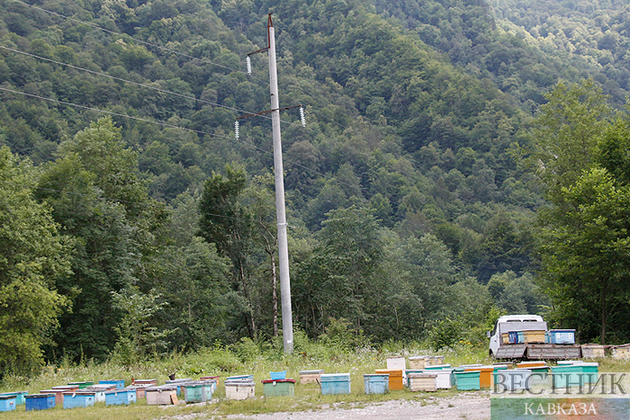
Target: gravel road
<point>469,406</point>
<point>465,406</point>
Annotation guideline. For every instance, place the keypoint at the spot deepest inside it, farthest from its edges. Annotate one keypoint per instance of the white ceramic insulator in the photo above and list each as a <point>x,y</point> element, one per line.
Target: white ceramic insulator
<point>236,129</point>
<point>302,119</point>
<point>249,65</point>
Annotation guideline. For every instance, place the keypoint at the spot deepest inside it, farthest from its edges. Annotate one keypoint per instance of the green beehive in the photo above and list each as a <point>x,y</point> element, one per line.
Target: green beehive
<point>278,387</point>
<point>467,381</point>
<point>198,391</point>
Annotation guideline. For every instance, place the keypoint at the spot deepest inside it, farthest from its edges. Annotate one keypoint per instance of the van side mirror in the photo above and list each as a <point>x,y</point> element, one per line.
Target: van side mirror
<point>489,334</point>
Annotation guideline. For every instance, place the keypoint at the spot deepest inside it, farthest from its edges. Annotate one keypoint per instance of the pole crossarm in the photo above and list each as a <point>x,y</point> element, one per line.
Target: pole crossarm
<point>269,111</point>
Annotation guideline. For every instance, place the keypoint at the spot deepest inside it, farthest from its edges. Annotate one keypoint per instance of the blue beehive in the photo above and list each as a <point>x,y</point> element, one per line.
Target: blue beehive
<point>39,401</point>
<point>562,336</point>
<point>19,396</point>
<point>376,383</point>
<point>335,383</point>
<point>278,375</point>
<point>7,402</point>
<point>78,399</point>
<point>123,396</point>
<point>120,383</point>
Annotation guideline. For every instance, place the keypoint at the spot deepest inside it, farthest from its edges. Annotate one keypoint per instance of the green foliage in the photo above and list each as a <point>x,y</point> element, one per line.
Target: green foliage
<point>137,336</point>
<point>34,256</point>
<point>445,333</point>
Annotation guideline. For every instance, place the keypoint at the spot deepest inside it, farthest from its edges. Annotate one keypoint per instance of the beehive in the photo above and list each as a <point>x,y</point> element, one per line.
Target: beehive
<point>467,381</point>
<point>279,387</point>
<point>422,382</point>
<point>621,352</point>
<point>534,336</point>
<point>39,402</point>
<point>239,389</point>
<point>310,376</point>
<point>58,393</point>
<point>418,362</point>
<point>376,383</point>
<point>336,383</point>
<point>123,396</point>
<point>562,336</point>
<point>443,379</point>
<point>78,399</point>
<point>531,364</point>
<point>395,378</point>
<point>199,391</point>
<point>100,389</point>
<point>19,396</point>
<point>485,375</point>
<point>396,363</point>
<point>119,383</point>
<point>7,403</point>
<point>161,395</point>
<point>592,351</point>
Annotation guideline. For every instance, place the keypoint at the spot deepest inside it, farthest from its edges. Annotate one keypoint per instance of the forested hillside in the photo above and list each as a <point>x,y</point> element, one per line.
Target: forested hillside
<point>405,190</point>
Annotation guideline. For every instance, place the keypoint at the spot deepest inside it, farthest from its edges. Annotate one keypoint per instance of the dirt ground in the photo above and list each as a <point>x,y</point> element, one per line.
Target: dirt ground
<point>469,406</point>
<point>464,406</point>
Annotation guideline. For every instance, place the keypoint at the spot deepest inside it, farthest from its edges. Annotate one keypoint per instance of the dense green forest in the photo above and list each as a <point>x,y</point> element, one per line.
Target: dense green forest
<point>134,222</point>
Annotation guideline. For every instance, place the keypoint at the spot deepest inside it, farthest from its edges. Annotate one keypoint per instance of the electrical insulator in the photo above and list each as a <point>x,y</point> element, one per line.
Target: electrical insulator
<point>249,65</point>
<point>236,129</point>
<point>302,117</point>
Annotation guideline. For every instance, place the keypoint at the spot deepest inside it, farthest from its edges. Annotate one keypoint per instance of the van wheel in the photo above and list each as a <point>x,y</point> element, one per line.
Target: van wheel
<point>490,353</point>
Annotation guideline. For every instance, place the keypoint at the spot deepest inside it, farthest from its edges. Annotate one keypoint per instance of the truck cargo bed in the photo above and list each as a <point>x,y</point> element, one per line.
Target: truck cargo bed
<point>539,351</point>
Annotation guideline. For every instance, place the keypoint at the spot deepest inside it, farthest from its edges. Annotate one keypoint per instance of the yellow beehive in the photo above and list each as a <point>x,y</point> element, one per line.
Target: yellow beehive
<point>418,362</point>
<point>506,338</point>
<point>422,382</point>
<point>621,352</point>
<point>591,351</point>
<point>537,336</point>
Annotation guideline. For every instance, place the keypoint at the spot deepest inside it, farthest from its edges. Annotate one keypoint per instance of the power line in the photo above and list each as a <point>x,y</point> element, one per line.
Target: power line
<point>95,26</point>
<point>144,85</point>
<point>118,114</point>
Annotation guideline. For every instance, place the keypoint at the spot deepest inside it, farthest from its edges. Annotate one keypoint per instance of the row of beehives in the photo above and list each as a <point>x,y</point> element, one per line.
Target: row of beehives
<point>560,336</point>
<point>598,350</point>
<point>111,392</point>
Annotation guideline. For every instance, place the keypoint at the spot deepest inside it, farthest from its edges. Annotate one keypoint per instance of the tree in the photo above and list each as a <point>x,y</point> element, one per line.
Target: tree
<point>98,199</point>
<point>585,256</point>
<point>228,224</point>
<point>567,131</point>
<point>33,257</point>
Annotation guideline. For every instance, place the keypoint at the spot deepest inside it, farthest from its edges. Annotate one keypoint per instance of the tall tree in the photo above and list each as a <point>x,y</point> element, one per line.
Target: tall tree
<point>33,258</point>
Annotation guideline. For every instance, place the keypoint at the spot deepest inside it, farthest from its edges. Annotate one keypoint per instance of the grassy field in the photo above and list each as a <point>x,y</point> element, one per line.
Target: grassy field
<point>248,360</point>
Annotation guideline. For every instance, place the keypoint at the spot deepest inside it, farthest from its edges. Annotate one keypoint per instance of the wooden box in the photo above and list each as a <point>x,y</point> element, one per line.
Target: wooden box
<point>395,378</point>
<point>535,336</point>
<point>78,399</point>
<point>376,383</point>
<point>621,352</point>
<point>310,376</point>
<point>118,396</point>
<point>240,389</point>
<point>396,363</point>
<point>592,351</point>
<point>161,395</point>
<point>336,383</point>
<point>467,381</point>
<point>423,382</point>
<point>279,387</point>
<point>418,362</point>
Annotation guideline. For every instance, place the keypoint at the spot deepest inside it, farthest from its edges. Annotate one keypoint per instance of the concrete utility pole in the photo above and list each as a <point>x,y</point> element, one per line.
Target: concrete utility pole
<point>283,248</point>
